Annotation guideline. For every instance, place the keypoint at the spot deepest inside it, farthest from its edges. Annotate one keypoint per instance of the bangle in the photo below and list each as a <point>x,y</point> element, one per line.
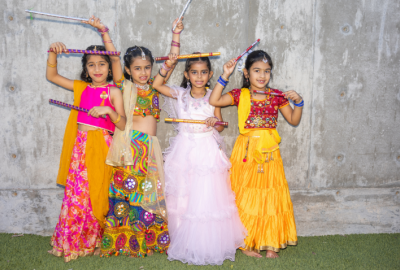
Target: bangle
<point>176,45</point>
<point>226,80</point>
<point>221,82</point>
<point>176,32</point>
<point>51,65</point>
<point>300,104</point>
<point>104,30</point>
<point>166,67</point>
<point>159,72</point>
<point>118,119</point>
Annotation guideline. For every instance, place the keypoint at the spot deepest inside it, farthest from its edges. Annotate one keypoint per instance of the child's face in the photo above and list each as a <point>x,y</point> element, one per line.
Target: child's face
<point>97,68</point>
<point>199,74</point>
<point>140,70</point>
<point>259,75</point>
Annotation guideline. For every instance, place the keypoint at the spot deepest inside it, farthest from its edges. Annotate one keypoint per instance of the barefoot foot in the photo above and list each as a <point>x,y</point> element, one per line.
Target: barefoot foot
<point>97,251</point>
<point>251,254</point>
<point>150,253</point>
<point>50,252</point>
<point>271,254</point>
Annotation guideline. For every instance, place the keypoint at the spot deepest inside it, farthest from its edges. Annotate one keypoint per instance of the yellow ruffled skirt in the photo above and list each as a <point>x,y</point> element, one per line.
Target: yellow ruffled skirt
<point>262,196</point>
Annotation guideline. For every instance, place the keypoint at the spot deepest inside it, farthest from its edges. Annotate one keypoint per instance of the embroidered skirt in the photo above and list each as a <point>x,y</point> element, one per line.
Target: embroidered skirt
<point>262,197</point>
<point>77,232</point>
<point>130,229</point>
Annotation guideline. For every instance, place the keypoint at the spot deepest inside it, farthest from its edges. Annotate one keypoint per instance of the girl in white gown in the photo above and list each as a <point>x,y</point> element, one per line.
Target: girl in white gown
<point>203,221</point>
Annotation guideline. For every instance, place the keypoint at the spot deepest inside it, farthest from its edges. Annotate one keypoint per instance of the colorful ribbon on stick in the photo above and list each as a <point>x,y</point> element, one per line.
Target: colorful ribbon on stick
<point>191,121</point>
<point>91,52</point>
<point>185,56</point>
<point>268,93</point>
<point>66,105</point>
<point>55,15</point>
<point>248,49</point>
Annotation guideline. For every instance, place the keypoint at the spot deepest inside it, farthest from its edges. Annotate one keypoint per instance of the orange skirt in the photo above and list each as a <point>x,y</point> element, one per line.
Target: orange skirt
<point>262,197</point>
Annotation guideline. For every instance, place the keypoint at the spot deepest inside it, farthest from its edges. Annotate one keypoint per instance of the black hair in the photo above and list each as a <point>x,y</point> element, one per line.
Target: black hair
<point>132,53</point>
<point>190,62</point>
<point>253,57</point>
<point>84,74</point>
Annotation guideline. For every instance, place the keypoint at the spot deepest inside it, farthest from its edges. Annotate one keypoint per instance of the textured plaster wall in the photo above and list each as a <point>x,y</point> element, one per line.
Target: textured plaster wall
<point>342,162</point>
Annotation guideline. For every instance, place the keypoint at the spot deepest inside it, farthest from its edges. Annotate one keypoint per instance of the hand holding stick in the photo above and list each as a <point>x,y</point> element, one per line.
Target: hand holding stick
<point>185,56</point>
<point>66,105</point>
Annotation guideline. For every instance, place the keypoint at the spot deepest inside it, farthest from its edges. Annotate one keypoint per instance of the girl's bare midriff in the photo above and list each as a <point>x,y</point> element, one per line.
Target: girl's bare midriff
<point>146,124</point>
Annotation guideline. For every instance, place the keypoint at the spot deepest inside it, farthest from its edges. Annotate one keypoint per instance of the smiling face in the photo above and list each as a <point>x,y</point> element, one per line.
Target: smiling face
<point>140,70</point>
<point>97,68</point>
<point>198,74</point>
<point>259,75</point>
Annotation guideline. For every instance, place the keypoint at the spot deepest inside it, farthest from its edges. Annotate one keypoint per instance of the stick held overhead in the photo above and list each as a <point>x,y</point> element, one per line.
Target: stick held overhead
<point>185,56</point>
<point>183,12</point>
<point>55,15</point>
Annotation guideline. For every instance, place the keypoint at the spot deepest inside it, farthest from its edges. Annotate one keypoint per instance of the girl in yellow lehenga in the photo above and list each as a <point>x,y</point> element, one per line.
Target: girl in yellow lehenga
<point>257,176</point>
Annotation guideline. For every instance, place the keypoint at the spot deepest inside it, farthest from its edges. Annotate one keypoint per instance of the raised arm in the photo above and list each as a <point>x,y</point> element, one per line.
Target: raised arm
<point>175,43</point>
<point>216,98</point>
<point>293,116</point>
<point>51,70</point>
<point>159,80</point>
<point>108,44</point>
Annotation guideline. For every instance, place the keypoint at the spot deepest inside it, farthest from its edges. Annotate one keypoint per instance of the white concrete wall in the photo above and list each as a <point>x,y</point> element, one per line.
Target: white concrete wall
<point>342,162</point>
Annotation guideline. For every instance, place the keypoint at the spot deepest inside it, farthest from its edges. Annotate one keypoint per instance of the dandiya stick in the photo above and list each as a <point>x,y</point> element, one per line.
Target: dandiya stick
<point>91,52</point>
<point>268,93</point>
<point>183,12</point>
<point>190,121</point>
<point>185,56</point>
<point>248,49</point>
<point>57,16</point>
<point>66,105</point>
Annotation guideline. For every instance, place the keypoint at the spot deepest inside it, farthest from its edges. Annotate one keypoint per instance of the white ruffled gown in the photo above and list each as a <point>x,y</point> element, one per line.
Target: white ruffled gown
<point>203,220</point>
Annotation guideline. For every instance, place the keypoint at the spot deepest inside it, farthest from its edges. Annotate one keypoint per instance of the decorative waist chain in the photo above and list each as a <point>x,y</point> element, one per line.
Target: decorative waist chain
<point>260,167</point>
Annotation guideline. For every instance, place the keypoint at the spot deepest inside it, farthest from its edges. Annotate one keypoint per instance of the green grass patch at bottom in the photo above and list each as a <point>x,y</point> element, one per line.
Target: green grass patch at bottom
<point>369,251</point>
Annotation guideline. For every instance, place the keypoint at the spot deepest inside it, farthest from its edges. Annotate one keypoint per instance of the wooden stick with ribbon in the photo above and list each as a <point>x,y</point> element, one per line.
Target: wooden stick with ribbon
<point>191,121</point>
<point>66,105</point>
<point>194,55</point>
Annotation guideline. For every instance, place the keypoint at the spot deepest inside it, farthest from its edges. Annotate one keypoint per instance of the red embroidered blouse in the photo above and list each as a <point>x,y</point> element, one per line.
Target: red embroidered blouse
<point>263,113</point>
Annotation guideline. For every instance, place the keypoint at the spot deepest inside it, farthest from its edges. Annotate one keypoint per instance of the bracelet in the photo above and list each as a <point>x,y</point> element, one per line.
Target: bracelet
<point>176,45</point>
<point>166,67</point>
<point>51,65</point>
<point>118,119</point>
<point>301,104</point>
<point>175,32</point>
<point>221,82</point>
<point>226,80</point>
<point>104,30</point>
<point>159,72</point>
<point>107,41</point>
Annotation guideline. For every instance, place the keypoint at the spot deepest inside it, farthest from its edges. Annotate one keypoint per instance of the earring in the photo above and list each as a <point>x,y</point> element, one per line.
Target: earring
<point>109,72</point>
<point>208,83</point>
<point>247,80</point>
<point>87,75</point>
<point>188,83</point>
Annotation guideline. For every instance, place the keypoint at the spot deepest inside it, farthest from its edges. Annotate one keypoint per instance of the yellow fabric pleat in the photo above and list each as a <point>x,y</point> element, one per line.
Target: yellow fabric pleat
<point>99,174</point>
<point>70,133</point>
<point>263,199</point>
<point>270,139</point>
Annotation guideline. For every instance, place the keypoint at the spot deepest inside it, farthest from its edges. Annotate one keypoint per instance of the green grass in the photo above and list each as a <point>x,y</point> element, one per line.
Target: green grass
<point>370,251</point>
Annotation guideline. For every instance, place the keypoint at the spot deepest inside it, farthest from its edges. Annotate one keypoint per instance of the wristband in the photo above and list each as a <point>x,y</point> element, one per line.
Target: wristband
<point>118,119</point>
<point>301,104</point>
<point>104,30</point>
<point>159,72</point>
